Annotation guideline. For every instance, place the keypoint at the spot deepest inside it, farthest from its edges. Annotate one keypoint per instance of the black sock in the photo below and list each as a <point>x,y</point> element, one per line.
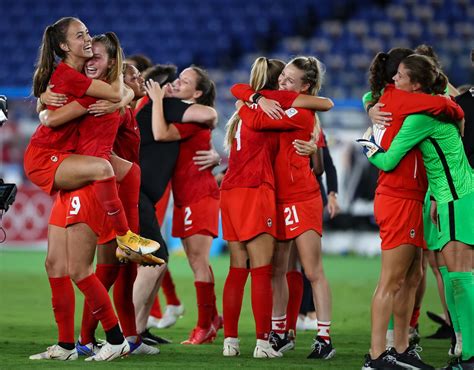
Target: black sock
<point>114,335</point>
<point>68,346</point>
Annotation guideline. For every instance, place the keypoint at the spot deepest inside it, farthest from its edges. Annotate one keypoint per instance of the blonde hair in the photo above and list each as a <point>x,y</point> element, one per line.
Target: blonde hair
<point>263,75</point>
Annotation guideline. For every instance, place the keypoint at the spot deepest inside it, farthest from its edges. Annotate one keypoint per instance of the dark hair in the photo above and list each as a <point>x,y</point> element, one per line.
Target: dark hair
<point>421,69</point>
<point>142,62</point>
<point>161,73</point>
<point>313,72</point>
<point>206,85</point>
<point>53,36</point>
<point>428,51</point>
<point>382,69</point>
<point>114,52</point>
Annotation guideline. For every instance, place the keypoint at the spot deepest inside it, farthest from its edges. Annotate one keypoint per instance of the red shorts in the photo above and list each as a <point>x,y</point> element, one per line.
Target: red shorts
<point>40,166</point>
<point>78,206</point>
<point>400,221</point>
<point>248,212</point>
<point>201,217</point>
<point>295,218</point>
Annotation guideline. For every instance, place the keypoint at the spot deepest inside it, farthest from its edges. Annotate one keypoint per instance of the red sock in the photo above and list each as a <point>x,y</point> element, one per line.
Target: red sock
<point>156,308</point>
<point>295,296</point>
<point>129,192</point>
<point>213,299</point>
<point>63,301</point>
<point>123,298</point>
<point>169,290</point>
<point>107,274</point>
<point>262,300</point>
<point>232,300</point>
<point>98,300</point>
<point>414,317</point>
<point>204,303</point>
<point>107,195</point>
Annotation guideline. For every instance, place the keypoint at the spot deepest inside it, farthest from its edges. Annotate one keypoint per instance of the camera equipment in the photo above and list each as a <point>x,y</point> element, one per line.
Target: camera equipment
<point>7,195</point>
<point>3,110</point>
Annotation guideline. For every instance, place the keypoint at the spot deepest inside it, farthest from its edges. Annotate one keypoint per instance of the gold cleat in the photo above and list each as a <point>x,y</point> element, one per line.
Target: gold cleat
<point>144,260</point>
<point>136,244</point>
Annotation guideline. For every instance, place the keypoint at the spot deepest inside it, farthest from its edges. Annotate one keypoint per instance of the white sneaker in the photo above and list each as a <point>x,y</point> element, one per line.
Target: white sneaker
<point>56,352</point>
<point>231,347</point>
<point>309,324</point>
<point>109,352</point>
<point>264,349</point>
<point>171,315</point>
<point>152,322</point>
<point>143,349</point>
<point>300,324</point>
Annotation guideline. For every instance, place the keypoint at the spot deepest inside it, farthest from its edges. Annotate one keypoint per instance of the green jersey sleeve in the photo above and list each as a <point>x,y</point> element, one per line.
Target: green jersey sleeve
<point>415,129</point>
<point>367,98</point>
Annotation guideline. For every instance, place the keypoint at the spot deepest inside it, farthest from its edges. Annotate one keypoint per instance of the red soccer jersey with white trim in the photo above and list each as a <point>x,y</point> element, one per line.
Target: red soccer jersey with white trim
<point>293,176</point>
<point>188,183</point>
<point>253,150</point>
<point>127,142</point>
<point>73,84</point>
<point>408,180</point>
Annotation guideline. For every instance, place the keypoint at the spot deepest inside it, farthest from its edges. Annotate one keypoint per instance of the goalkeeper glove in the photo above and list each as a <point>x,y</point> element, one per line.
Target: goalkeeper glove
<point>368,144</point>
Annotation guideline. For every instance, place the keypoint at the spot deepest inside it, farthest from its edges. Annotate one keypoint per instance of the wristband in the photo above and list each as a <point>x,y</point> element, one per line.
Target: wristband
<point>256,97</point>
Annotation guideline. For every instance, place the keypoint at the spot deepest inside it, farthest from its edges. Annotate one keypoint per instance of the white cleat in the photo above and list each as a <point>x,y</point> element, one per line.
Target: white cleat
<point>264,349</point>
<point>152,322</point>
<point>145,349</point>
<point>56,352</point>
<point>300,326</point>
<point>310,324</point>
<point>109,352</point>
<point>231,347</point>
<point>171,315</point>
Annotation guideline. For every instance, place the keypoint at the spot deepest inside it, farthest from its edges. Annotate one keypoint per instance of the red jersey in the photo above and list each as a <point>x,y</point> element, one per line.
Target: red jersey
<point>408,180</point>
<point>253,151</point>
<point>73,84</point>
<point>127,142</point>
<point>188,183</point>
<point>293,176</point>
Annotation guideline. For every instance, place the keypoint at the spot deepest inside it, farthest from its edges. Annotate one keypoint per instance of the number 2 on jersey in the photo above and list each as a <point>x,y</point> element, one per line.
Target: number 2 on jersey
<point>291,216</point>
<point>75,205</point>
<point>187,216</point>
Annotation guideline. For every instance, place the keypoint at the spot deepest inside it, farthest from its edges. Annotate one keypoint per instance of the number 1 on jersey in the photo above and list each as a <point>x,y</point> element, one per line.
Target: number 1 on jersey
<point>237,136</point>
<point>291,216</point>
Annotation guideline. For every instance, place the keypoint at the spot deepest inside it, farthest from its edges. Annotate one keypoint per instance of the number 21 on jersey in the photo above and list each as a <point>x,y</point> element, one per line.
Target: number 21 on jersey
<point>291,216</point>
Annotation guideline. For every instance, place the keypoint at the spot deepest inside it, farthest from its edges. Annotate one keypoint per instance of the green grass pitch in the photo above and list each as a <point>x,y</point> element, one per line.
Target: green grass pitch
<point>27,324</point>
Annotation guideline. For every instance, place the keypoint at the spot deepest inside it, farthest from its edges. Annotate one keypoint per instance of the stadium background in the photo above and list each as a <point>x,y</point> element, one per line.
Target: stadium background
<point>225,36</point>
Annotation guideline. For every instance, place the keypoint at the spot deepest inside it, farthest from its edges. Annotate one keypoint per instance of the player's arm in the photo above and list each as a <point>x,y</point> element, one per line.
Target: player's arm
<point>414,130</point>
<point>101,107</point>
<point>377,117</point>
<point>103,90</point>
<point>60,116</point>
<point>260,121</point>
<point>312,102</point>
<point>198,113</point>
<point>245,93</point>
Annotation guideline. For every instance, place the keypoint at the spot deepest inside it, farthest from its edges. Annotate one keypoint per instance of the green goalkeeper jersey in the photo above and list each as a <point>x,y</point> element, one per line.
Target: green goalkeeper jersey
<point>449,174</point>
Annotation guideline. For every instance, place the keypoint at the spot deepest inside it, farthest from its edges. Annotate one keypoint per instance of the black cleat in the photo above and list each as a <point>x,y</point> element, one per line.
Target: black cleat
<point>410,359</point>
<point>151,339</point>
<point>321,349</point>
<point>386,361</point>
<point>458,364</point>
<point>281,344</point>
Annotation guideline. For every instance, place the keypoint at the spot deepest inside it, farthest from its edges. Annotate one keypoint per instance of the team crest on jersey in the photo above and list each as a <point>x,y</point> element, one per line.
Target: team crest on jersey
<point>269,222</point>
<point>291,112</point>
<point>412,233</point>
<point>54,158</point>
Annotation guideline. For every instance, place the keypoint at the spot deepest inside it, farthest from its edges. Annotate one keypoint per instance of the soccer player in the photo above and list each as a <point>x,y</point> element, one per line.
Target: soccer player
<point>451,182</point>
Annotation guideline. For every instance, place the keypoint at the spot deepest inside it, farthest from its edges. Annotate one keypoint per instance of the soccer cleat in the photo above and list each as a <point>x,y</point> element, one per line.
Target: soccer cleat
<point>134,243</point>
<point>142,348</point>
<point>410,359</point>
<point>321,349</point>
<point>280,344</point>
<point>413,336</point>
<point>109,352</point>
<point>125,256</point>
<point>458,364</point>
<point>201,336</point>
<point>231,347</point>
<point>152,339</point>
<point>152,322</point>
<point>56,352</point>
<point>300,323</point>
<point>264,349</point>
<point>310,324</point>
<point>386,361</point>
<point>171,315</point>
<point>217,322</point>
<point>89,349</point>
